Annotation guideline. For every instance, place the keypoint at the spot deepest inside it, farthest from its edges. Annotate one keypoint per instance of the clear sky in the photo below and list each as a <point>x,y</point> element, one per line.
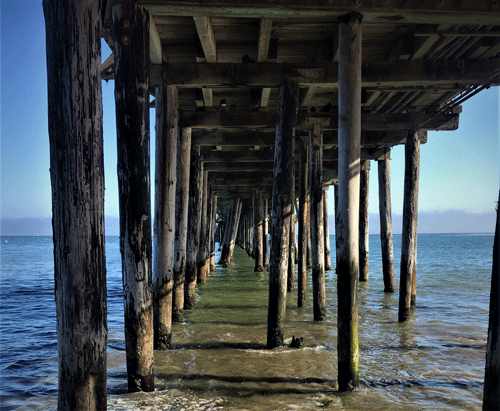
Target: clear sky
<point>459,175</point>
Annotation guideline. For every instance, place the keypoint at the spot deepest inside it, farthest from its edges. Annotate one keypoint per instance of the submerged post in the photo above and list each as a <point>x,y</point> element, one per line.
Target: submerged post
<point>348,214</point>
<point>364,189</point>
<point>77,177</point>
<point>131,36</point>
<point>384,193</point>
<point>286,120</point>
<point>258,232</point>
<point>194,226</point>
<point>181,221</point>
<point>326,224</point>
<point>409,232</point>
<point>203,262</point>
<point>164,225</point>
<point>302,226</point>
<point>491,396</point>
<point>317,229</point>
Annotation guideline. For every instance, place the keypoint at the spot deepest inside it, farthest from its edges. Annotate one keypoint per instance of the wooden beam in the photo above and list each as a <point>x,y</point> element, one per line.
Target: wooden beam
<point>401,73</point>
<point>208,98</point>
<point>369,121</point>
<point>265,29</point>
<point>480,12</point>
<point>155,48</point>
<point>207,38</point>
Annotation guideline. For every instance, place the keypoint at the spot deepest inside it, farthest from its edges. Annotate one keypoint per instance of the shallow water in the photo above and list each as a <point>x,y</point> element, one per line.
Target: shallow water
<point>434,361</point>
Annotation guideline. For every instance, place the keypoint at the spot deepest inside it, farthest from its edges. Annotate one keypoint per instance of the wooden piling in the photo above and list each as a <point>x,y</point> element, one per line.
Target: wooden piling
<point>317,228</point>
<point>203,261</point>
<point>258,231</point>
<point>364,239</point>
<point>326,224</point>
<point>213,229</point>
<point>194,226</point>
<point>164,225</point>
<point>265,254</point>
<point>302,226</point>
<point>131,37</point>
<point>348,228</point>
<point>181,221</point>
<point>409,232</point>
<point>234,229</point>
<point>291,247</point>
<point>227,230</point>
<point>77,177</point>
<point>491,395</point>
<point>384,193</point>
<point>286,120</point>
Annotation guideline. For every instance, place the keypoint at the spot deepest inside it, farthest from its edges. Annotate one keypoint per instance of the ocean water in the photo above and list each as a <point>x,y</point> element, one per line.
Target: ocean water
<point>434,361</point>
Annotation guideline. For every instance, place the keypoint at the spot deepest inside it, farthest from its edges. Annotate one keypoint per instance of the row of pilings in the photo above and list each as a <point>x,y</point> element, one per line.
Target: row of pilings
<point>185,206</point>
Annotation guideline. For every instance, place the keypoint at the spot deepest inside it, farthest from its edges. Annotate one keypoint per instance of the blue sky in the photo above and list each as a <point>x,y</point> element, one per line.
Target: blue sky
<point>459,169</point>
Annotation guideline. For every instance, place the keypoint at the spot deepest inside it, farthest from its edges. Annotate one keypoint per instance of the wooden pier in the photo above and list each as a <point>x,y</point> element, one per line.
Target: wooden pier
<point>259,106</point>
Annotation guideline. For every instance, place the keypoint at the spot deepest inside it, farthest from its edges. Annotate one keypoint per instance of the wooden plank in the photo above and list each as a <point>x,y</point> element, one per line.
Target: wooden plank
<point>207,38</point>
<point>131,50</point>
<point>77,175</point>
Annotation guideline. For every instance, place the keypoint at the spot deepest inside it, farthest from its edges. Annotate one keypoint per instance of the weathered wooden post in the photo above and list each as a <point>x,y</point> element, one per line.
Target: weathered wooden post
<point>491,395</point>
<point>213,232</point>
<point>164,224</point>
<point>348,227</point>
<point>326,224</point>
<point>410,215</point>
<point>291,247</point>
<point>77,177</point>
<point>384,194</point>
<point>258,232</point>
<point>181,221</point>
<point>194,226</point>
<point>235,220</point>
<point>286,120</point>
<point>227,231</point>
<point>364,239</point>
<point>302,226</point>
<point>203,262</point>
<point>131,37</point>
<point>317,228</point>
<point>265,232</point>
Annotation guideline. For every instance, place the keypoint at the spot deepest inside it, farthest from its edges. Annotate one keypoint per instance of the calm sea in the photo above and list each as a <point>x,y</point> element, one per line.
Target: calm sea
<point>434,361</point>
